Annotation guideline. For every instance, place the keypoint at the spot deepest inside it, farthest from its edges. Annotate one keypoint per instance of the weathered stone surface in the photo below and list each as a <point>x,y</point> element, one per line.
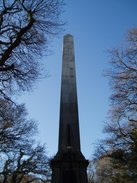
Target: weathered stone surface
<point>69,164</point>
<point>69,125</point>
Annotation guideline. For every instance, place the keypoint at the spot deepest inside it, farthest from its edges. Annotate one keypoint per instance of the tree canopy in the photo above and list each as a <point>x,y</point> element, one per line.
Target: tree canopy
<point>25,29</point>
<point>117,153</point>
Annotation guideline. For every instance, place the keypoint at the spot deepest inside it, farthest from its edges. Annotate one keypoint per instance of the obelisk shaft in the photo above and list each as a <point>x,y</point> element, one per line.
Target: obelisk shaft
<point>69,165</point>
<point>69,124</point>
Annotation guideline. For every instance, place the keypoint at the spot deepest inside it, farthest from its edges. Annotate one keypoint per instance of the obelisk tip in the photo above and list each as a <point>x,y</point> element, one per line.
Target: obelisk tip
<point>68,35</point>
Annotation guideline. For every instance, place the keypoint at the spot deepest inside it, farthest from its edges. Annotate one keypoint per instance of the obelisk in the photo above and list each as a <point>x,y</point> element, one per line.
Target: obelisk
<point>69,165</point>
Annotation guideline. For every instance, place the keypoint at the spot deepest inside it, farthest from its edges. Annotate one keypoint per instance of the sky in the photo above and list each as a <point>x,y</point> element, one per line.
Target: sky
<point>96,25</point>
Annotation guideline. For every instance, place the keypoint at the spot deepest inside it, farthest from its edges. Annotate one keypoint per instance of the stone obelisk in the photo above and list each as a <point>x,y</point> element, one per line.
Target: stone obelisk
<point>69,165</point>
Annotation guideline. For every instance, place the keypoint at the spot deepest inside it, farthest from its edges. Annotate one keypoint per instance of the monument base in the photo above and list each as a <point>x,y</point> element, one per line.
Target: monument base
<point>69,167</point>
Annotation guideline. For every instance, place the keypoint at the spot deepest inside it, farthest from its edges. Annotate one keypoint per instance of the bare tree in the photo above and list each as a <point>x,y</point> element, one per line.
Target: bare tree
<point>91,172</point>
<point>25,164</point>
<point>25,29</point>
<point>15,127</point>
<point>21,159</point>
<point>120,144</point>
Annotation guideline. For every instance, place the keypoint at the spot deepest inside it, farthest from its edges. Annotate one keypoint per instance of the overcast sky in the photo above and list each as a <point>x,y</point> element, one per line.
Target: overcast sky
<point>97,25</point>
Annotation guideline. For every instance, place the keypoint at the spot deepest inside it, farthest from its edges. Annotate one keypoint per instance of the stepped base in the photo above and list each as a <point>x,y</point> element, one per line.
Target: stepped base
<point>69,167</point>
